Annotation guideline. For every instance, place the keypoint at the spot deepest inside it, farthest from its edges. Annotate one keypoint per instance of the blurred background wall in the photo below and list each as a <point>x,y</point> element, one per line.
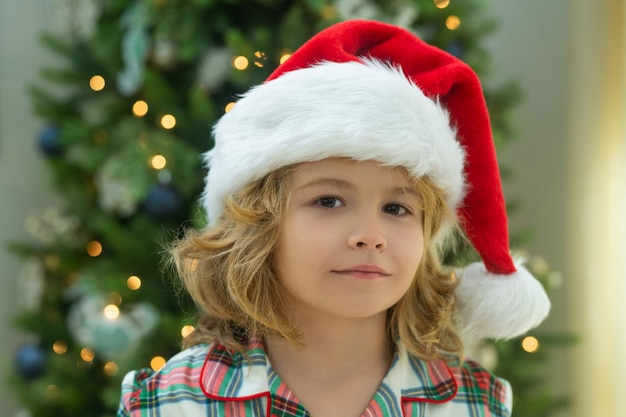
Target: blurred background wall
<point>568,163</point>
<point>23,182</point>
<point>532,46</point>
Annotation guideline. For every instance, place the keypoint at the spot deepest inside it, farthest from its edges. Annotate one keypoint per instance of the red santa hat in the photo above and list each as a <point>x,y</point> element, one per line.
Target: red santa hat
<point>368,90</point>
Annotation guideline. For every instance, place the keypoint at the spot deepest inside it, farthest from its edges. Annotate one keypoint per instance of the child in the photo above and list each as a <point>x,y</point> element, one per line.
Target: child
<point>330,192</point>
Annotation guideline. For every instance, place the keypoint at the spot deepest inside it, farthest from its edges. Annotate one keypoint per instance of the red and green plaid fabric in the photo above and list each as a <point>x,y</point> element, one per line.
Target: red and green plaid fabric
<point>210,380</point>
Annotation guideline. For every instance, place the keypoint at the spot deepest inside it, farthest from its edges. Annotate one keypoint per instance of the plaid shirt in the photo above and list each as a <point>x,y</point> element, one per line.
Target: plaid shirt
<point>210,380</point>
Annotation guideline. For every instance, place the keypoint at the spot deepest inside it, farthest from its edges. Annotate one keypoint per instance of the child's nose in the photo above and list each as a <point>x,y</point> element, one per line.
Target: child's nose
<point>368,234</point>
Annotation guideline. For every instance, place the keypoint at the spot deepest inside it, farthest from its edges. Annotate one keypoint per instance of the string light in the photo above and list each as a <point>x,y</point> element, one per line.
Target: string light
<point>52,392</point>
<point>94,248</point>
<point>133,282</point>
<point>140,108</point>
<point>111,311</point>
<point>59,347</point>
<point>158,162</point>
<point>284,56</point>
<point>71,279</point>
<point>260,56</point>
<point>328,11</point>
<point>530,344</point>
<point>157,363</point>
<point>97,83</point>
<point>186,331</point>
<point>115,298</point>
<point>111,368</point>
<point>240,62</point>
<point>51,262</point>
<point>229,106</point>
<point>453,22</point>
<point>87,354</point>
<point>441,4</point>
<point>168,121</point>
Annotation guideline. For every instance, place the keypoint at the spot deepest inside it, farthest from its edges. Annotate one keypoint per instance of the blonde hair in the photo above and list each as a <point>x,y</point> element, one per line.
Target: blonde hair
<point>229,272</point>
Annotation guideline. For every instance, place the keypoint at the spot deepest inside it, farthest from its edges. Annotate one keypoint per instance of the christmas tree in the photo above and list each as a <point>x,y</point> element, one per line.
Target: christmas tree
<point>126,117</point>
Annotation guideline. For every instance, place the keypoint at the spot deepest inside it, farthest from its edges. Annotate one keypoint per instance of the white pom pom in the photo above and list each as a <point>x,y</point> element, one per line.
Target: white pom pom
<point>500,306</point>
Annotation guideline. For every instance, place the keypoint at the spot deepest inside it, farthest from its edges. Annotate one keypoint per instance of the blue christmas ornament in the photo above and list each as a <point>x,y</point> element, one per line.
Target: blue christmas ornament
<point>49,142</point>
<point>162,202</point>
<point>456,49</point>
<point>30,361</point>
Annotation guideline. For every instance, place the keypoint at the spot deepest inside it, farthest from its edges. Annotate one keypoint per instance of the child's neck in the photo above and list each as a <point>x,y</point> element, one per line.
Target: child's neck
<point>347,357</point>
<point>336,343</point>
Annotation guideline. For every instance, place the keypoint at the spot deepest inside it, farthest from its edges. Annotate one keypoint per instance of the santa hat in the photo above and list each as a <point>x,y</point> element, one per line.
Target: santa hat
<point>372,91</point>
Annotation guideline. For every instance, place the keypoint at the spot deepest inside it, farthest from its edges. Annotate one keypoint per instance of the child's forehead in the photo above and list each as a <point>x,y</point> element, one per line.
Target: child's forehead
<point>349,168</point>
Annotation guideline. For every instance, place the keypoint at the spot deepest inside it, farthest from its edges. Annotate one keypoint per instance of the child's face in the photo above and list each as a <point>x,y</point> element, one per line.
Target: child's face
<point>352,238</point>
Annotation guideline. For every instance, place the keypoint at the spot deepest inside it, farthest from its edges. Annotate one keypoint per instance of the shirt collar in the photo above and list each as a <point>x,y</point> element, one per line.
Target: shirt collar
<point>419,380</point>
<point>230,375</point>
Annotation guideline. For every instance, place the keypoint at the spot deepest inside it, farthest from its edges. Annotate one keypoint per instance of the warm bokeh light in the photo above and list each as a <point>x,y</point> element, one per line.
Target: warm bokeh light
<point>157,362</point>
<point>229,106</point>
<point>97,83</point>
<point>59,347</point>
<point>51,262</point>
<point>186,330</point>
<point>240,62</point>
<point>158,162</point>
<point>111,312</point>
<point>133,282</point>
<point>94,248</point>
<point>140,108</point>
<point>114,298</point>
<point>284,57</point>
<point>71,278</point>
<point>111,368</point>
<point>442,4</point>
<point>52,392</point>
<point>530,344</point>
<point>328,11</point>
<point>87,354</point>
<point>259,58</point>
<point>168,121</point>
<point>453,22</point>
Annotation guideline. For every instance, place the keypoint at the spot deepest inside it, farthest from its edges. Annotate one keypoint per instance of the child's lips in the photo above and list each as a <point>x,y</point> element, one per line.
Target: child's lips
<point>365,271</point>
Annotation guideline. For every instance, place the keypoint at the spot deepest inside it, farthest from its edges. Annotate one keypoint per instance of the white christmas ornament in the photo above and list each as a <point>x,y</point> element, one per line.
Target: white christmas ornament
<point>214,67</point>
<point>31,284</point>
<point>52,225</point>
<point>76,17</point>
<point>121,187</point>
<point>164,53</point>
<point>403,15</point>
<point>110,337</point>
<point>356,9</point>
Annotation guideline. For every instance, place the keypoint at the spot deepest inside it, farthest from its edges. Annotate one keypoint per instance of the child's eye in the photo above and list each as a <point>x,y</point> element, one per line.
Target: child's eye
<point>395,209</point>
<point>329,202</point>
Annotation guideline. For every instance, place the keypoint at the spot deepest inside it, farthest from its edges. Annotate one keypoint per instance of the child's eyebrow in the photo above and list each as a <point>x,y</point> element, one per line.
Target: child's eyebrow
<point>406,190</point>
<point>335,182</point>
<point>327,181</point>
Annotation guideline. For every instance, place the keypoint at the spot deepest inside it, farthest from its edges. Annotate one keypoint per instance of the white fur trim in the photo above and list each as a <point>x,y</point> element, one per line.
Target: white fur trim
<point>364,111</point>
<point>500,306</point>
